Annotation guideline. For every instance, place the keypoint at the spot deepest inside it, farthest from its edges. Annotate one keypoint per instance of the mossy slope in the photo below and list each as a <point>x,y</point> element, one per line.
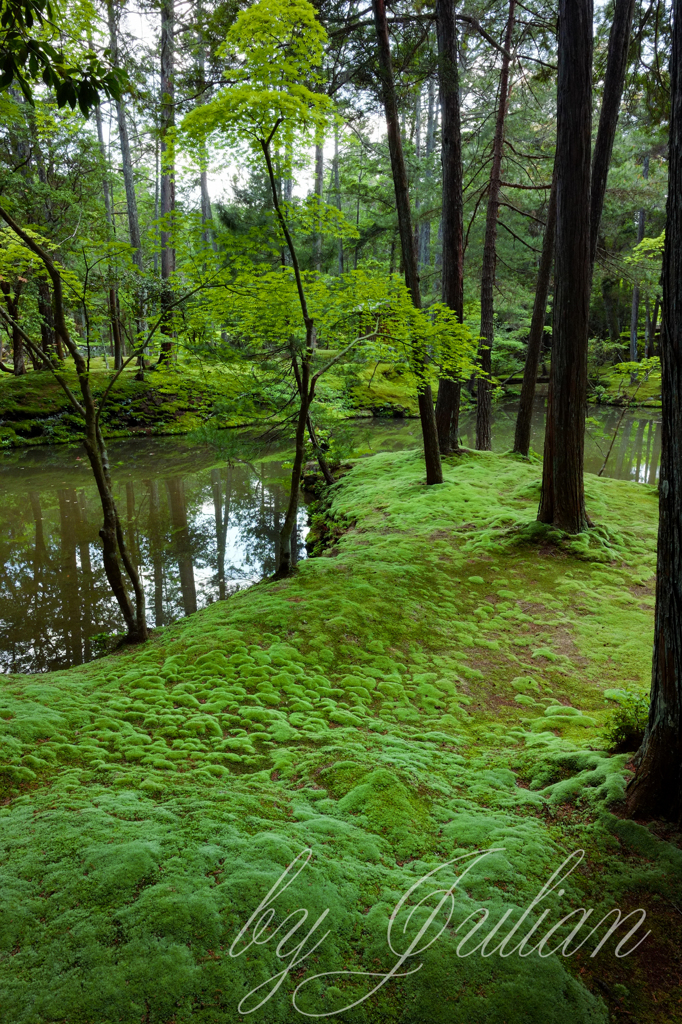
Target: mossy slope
<point>434,687</point>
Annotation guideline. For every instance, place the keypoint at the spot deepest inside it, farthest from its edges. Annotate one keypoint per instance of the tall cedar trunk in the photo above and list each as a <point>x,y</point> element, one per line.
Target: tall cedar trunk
<point>18,352</point>
<point>425,226</point>
<point>614,80</point>
<point>537,330</point>
<point>113,541</point>
<point>634,318</point>
<point>108,209</point>
<point>337,192</point>
<point>206,212</point>
<point>319,178</point>
<point>167,172</point>
<point>656,790</point>
<point>47,335</point>
<point>127,165</point>
<point>563,497</point>
<point>484,403</point>
<point>450,231</point>
<point>434,472</point>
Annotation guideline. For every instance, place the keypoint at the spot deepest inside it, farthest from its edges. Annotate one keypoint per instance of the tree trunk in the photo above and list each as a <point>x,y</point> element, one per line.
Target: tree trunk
<point>450,232</point>
<point>337,192</point>
<point>537,330</point>
<point>319,178</point>
<point>484,403</point>
<point>286,561</point>
<point>614,81</point>
<point>563,497</point>
<point>634,318</point>
<point>108,209</point>
<point>128,176</point>
<point>47,335</point>
<point>656,790</point>
<point>167,173</point>
<point>654,322</point>
<point>425,226</point>
<point>434,472</point>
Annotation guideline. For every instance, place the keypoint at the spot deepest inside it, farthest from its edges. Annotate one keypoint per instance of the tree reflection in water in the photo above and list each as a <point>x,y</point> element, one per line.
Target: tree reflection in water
<point>197,530</point>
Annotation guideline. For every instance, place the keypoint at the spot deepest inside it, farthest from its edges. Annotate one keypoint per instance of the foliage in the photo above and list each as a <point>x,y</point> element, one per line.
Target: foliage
<point>625,726</point>
<point>27,56</point>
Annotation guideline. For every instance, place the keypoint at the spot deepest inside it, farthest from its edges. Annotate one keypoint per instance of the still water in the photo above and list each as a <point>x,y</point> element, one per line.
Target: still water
<point>198,526</point>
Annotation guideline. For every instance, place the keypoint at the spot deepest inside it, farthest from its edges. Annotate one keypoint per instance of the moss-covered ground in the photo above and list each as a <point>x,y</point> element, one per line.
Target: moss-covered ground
<point>180,398</point>
<point>434,684</point>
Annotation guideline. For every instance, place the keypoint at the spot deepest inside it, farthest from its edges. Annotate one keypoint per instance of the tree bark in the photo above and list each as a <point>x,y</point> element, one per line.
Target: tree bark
<point>167,173</point>
<point>563,497</point>
<point>108,210</point>
<point>450,231</point>
<point>634,318</point>
<point>656,790</point>
<point>128,176</point>
<point>484,402</point>
<point>434,472</point>
<point>537,331</point>
<point>12,303</point>
<point>614,81</point>
<point>425,226</point>
<point>319,178</point>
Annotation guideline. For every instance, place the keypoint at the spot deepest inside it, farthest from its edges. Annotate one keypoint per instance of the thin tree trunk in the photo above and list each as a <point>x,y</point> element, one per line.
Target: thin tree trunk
<point>537,330</point>
<point>614,81</point>
<point>167,173</point>
<point>656,790</point>
<point>450,252</point>
<point>563,497</point>
<point>286,559</point>
<point>319,179</point>
<point>434,472</point>
<point>634,318</point>
<point>654,322</point>
<point>484,402</point>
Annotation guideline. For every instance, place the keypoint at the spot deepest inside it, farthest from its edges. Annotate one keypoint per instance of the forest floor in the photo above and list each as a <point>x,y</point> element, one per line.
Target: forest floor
<point>436,683</point>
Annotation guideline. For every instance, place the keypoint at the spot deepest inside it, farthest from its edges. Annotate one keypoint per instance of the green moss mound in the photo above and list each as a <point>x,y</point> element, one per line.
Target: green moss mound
<point>427,688</point>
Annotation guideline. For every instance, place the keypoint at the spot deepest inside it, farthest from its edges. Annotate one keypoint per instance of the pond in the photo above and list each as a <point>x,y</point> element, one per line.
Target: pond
<point>198,527</point>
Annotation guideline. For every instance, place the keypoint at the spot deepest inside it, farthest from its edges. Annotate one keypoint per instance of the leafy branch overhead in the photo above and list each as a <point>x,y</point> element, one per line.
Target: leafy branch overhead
<point>30,52</point>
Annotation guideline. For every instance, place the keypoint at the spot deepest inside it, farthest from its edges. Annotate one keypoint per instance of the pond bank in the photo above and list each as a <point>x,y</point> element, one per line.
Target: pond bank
<point>434,686</point>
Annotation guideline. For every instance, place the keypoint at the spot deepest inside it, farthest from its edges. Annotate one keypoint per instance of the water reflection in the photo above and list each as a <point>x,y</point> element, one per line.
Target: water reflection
<point>197,528</point>
<point>196,531</point>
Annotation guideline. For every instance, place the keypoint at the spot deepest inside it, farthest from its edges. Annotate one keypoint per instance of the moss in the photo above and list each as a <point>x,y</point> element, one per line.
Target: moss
<point>435,688</point>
